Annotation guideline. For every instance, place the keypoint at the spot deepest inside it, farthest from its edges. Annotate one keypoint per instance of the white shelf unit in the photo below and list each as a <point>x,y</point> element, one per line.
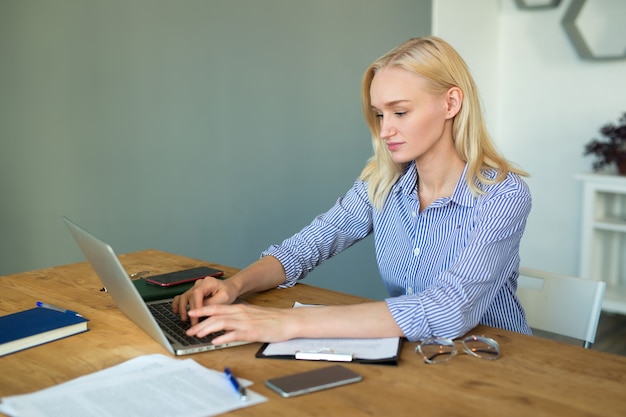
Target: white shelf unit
<point>603,236</point>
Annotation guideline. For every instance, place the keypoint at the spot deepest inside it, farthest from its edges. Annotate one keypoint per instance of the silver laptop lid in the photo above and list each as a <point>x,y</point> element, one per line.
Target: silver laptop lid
<point>115,278</point>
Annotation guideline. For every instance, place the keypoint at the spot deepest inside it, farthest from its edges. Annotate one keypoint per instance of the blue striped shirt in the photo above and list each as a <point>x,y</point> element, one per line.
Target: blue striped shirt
<point>447,268</point>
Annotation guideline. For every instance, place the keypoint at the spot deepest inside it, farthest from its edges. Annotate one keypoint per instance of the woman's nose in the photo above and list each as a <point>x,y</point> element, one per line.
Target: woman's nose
<point>386,130</point>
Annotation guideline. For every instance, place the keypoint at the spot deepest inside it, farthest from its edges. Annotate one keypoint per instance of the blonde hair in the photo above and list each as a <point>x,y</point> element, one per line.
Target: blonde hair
<point>436,60</point>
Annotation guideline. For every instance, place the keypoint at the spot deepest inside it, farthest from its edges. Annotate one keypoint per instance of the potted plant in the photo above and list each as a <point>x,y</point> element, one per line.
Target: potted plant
<point>612,150</point>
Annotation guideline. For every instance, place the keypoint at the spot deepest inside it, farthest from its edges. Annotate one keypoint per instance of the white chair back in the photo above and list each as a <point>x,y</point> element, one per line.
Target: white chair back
<point>564,305</point>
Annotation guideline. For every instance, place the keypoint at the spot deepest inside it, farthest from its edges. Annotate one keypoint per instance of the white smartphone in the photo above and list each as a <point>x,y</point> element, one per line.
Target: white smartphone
<point>311,381</point>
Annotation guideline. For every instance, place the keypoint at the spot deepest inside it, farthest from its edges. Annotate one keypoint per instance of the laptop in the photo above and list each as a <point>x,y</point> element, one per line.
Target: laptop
<point>154,317</point>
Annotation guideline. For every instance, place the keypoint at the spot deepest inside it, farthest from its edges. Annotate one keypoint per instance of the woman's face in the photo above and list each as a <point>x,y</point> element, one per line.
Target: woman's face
<point>412,119</point>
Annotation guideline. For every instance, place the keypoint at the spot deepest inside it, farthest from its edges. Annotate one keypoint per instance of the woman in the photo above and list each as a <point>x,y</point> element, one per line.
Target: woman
<point>446,209</point>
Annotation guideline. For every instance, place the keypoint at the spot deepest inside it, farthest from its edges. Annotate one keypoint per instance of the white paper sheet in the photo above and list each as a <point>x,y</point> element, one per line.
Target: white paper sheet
<point>368,349</point>
<point>146,386</point>
<point>365,349</point>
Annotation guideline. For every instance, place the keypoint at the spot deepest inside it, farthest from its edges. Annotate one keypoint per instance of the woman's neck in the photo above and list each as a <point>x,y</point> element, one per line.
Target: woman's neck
<point>438,180</point>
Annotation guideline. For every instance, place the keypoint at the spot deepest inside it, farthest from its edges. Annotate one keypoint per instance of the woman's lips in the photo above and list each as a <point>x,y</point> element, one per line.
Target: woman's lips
<point>393,146</point>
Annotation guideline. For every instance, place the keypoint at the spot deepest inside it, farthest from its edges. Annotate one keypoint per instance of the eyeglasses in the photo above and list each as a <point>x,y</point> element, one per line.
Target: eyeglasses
<point>442,349</point>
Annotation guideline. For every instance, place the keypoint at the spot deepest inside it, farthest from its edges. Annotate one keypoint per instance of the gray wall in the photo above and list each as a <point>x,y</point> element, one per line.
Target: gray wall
<point>210,129</point>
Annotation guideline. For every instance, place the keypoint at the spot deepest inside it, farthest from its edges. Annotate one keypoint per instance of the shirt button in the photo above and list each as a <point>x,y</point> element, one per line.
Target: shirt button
<point>409,290</point>
<point>414,214</point>
<point>416,251</point>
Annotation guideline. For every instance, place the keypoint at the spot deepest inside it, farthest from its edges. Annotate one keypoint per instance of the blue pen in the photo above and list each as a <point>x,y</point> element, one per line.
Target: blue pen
<point>233,381</point>
<point>51,307</point>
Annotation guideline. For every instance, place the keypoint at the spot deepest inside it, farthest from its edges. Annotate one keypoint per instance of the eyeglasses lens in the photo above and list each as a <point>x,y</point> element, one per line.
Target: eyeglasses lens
<point>482,347</point>
<point>437,350</point>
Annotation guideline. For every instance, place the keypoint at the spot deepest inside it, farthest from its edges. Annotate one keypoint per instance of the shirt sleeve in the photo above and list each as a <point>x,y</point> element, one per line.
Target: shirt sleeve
<point>347,222</point>
<point>460,295</point>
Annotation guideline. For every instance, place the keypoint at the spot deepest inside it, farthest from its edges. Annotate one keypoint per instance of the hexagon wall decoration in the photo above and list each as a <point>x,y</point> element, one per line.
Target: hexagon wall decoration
<point>537,4</point>
<point>596,28</point>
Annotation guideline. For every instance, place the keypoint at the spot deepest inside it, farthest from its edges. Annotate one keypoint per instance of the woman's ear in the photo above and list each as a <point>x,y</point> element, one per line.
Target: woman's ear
<point>454,98</point>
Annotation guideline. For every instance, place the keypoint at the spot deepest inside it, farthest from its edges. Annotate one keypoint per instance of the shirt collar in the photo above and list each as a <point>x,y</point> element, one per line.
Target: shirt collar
<point>462,195</point>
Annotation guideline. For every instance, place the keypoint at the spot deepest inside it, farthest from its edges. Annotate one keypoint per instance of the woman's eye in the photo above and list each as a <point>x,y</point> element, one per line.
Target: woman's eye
<point>397,114</point>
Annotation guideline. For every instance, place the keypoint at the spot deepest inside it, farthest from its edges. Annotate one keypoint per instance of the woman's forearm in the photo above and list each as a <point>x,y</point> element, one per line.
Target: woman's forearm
<point>351,321</point>
<point>264,274</point>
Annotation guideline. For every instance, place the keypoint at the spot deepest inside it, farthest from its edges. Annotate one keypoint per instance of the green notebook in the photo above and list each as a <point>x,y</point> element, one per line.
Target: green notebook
<point>151,292</point>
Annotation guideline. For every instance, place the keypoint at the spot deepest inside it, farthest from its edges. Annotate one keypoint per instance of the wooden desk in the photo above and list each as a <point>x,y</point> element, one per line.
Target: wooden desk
<point>533,377</point>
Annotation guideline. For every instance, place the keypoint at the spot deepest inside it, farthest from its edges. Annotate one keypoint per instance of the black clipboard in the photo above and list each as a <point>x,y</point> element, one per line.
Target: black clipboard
<point>333,356</point>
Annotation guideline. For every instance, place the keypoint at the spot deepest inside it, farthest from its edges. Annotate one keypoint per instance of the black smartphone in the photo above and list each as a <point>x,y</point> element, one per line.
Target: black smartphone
<point>181,277</point>
<point>311,381</point>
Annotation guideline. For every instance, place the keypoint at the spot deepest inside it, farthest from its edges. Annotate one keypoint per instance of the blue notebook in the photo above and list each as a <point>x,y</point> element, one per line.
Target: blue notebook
<point>28,328</point>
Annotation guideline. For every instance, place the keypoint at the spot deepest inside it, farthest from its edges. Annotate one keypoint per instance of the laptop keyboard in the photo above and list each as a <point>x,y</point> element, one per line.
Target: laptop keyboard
<point>175,327</point>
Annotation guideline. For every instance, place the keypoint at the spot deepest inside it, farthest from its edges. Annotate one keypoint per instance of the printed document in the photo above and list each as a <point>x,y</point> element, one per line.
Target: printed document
<point>151,385</point>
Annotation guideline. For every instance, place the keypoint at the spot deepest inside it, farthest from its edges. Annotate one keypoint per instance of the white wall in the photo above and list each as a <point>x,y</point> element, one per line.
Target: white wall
<point>548,103</point>
<point>472,28</point>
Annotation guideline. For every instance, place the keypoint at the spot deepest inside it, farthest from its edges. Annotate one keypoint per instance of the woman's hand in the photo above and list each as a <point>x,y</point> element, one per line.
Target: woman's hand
<point>261,275</point>
<point>204,292</point>
<point>244,322</point>
<point>250,323</point>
